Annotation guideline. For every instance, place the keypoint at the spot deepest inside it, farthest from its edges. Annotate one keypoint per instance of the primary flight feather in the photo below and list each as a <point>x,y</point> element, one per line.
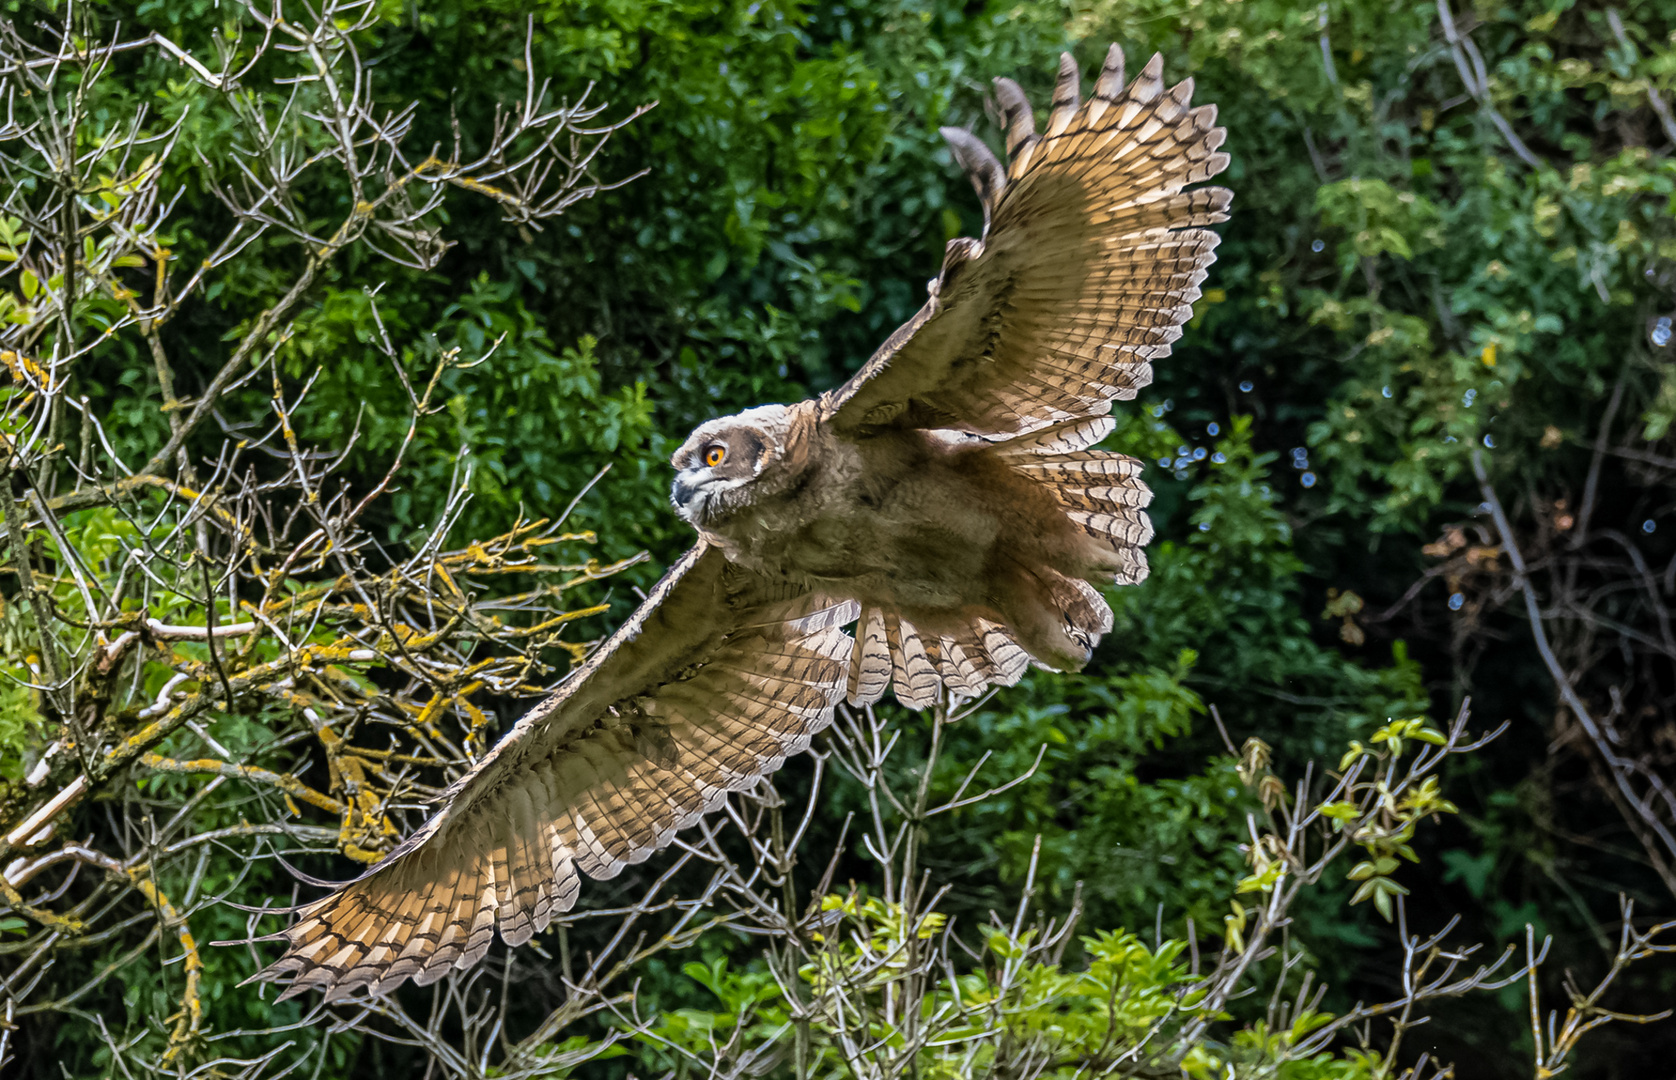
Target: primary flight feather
<point>946,500</point>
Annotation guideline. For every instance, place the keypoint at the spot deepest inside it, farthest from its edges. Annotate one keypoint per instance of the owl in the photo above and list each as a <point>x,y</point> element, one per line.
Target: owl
<point>948,503</point>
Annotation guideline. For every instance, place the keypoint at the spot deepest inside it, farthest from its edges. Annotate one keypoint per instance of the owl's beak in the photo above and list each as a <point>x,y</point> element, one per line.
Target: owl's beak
<point>688,496</point>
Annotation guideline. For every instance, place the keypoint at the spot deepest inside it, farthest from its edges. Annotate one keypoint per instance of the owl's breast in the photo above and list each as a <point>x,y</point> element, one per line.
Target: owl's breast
<point>901,521</point>
<point>907,520</point>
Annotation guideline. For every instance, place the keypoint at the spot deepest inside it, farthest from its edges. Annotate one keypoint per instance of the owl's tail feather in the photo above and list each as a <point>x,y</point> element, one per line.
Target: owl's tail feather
<point>1101,492</point>
<point>890,652</point>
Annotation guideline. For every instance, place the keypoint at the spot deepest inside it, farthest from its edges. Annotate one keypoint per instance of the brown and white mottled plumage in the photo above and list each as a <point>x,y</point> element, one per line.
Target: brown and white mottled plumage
<point>947,500</point>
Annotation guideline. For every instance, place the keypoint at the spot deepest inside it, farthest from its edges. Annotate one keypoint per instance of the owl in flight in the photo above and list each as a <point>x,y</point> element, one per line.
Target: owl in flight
<point>946,501</point>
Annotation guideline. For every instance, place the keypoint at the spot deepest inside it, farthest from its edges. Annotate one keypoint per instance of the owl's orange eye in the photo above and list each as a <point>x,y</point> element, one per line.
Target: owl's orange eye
<point>714,455</point>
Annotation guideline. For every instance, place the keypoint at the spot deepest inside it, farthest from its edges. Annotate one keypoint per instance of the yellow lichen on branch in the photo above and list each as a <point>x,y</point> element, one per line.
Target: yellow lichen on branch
<point>210,767</point>
<point>212,621</point>
<point>191,1015</point>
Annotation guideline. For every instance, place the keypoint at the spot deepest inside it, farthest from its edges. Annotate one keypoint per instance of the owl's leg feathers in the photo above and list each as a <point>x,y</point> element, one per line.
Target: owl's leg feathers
<point>1038,597</point>
<point>1044,577</point>
<point>1056,618</point>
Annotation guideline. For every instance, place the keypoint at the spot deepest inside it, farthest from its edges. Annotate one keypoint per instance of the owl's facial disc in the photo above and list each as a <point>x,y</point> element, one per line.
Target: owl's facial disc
<point>721,456</point>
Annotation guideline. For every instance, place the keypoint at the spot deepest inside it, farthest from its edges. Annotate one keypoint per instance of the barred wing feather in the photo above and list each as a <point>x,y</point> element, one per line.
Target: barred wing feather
<point>1092,255</point>
<point>710,685</point>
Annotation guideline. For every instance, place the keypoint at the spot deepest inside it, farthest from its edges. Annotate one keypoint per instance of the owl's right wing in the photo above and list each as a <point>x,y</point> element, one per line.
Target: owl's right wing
<point>1093,249</point>
<point>1091,257</point>
<point>712,682</point>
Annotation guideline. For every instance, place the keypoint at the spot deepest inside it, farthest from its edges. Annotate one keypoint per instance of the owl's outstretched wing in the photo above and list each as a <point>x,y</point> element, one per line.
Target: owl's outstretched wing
<point>711,684</point>
<point>1092,253</point>
<point>1090,261</point>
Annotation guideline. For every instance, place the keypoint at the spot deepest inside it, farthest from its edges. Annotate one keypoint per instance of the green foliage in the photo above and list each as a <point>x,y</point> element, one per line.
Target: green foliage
<point>1129,843</point>
<point>20,724</point>
<point>1389,838</point>
<point>1378,219</point>
<point>1122,1004</point>
<point>528,427</point>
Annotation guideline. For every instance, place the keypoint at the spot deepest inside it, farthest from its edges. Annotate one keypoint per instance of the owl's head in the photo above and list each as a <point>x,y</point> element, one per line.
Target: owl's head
<point>728,463</point>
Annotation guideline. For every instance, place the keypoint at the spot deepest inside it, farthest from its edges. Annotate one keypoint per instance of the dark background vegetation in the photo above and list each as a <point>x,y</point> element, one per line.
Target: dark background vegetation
<point>1399,284</point>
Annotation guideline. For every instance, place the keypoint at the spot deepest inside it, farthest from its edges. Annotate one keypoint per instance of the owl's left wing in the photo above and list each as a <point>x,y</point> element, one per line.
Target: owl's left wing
<point>712,682</point>
<point>1092,255</point>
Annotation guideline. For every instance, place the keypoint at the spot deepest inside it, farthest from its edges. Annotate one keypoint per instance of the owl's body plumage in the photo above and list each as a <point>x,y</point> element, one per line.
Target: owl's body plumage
<point>948,501</point>
<point>940,530</point>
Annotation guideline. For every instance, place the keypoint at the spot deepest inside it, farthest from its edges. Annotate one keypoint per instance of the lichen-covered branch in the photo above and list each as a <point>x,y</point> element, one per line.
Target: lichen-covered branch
<point>231,658</point>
